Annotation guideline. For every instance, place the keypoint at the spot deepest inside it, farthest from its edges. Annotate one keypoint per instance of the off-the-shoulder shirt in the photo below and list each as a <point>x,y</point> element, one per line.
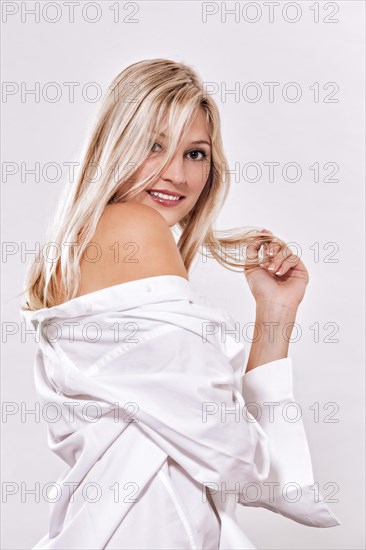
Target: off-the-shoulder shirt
<point>163,431</point>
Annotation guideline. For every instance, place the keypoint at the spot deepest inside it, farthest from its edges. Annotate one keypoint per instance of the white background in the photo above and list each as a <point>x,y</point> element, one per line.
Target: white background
<point>305,212</point>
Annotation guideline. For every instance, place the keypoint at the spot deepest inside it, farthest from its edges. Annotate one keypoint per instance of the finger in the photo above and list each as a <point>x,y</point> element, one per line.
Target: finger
<point>287,264</point>
<point>255,251</point>
<point>252,250</point>
<point>273,248</point>
<point>270,250</point>
<point>278,259</point>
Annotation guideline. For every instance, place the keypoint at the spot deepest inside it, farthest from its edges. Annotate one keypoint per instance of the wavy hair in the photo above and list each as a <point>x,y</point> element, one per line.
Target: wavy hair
<point>139,100</point>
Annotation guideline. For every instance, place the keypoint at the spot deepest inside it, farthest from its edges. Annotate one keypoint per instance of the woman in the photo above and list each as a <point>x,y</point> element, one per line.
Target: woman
<point>166,419</point>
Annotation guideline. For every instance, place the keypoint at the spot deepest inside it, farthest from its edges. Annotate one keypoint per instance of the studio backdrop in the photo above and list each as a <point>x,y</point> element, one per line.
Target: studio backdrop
<point>288,79</point>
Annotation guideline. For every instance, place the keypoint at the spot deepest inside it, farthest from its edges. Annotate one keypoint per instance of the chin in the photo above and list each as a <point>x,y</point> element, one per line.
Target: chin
<point>169,220</point>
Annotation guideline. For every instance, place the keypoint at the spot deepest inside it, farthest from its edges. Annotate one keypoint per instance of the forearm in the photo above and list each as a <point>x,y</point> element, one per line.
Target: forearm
<point>272,333</point>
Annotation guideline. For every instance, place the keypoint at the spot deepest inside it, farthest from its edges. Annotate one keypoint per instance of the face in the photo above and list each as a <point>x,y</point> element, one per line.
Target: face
<point>185,176</point>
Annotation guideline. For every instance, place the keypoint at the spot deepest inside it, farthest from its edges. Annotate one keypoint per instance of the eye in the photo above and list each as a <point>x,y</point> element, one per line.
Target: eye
<point>195,152</point>
<point>152,148</point>
<point>199,152</point>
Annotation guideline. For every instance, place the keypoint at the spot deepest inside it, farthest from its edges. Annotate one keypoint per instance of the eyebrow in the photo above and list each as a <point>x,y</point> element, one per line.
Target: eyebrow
<point>197,141</point>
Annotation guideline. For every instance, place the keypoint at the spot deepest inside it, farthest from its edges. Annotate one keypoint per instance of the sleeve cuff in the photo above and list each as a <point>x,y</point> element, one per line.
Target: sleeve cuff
<point>269,381</point>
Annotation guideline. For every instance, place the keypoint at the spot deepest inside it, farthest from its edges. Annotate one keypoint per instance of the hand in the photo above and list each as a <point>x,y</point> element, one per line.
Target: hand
<point>286,289</point>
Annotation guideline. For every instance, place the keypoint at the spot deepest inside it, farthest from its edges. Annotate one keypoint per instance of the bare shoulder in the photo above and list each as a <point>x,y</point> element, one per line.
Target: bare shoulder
<point>131,215</point>
<point>132,241</point>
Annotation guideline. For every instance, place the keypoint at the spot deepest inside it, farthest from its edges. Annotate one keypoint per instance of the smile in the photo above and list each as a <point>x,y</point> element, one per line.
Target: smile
<point>164,199</point>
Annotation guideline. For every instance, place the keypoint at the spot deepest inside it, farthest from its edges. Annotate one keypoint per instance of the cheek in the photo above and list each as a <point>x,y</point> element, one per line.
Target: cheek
<point>146,168</point>
<point>197,177</point>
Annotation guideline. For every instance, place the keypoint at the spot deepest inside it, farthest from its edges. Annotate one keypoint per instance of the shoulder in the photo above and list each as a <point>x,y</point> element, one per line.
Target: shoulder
<point>132,216</point>
<point>138,225</point>
<point>132,241</point>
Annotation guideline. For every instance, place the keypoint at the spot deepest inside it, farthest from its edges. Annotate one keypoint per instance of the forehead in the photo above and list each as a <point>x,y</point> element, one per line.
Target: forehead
<point>199,123</point>
<point>198,129</point>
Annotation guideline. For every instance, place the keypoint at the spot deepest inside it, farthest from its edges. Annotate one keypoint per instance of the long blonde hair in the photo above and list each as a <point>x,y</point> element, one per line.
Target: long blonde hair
<point>139,99</point>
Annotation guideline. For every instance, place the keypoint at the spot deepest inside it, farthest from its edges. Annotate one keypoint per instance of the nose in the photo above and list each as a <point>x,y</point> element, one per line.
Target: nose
<point>174,171</point>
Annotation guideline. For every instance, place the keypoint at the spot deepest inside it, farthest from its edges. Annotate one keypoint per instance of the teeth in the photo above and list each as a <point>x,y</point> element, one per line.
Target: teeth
<point>163,196</point>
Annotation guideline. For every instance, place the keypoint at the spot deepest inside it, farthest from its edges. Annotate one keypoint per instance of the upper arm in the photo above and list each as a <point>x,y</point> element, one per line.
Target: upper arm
<point>133,241</point>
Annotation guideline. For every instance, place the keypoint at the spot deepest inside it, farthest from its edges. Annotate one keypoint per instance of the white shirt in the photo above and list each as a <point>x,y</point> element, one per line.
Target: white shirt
<point>164,433</point>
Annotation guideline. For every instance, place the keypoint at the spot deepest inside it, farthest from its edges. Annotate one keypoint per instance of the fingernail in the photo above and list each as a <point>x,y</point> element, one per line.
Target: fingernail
<point>278,272</point>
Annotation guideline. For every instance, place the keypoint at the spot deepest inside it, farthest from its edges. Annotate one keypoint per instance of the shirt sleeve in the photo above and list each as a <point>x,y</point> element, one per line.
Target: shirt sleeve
<point>289,488</point>
<point>266,396</point>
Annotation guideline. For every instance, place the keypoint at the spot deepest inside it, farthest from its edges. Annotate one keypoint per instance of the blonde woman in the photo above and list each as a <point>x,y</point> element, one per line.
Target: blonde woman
<point>160,445</point>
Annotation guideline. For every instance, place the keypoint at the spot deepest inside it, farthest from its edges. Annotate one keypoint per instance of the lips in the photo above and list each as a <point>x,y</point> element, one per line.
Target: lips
<point>167,192</point>
<point>168,203</point>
